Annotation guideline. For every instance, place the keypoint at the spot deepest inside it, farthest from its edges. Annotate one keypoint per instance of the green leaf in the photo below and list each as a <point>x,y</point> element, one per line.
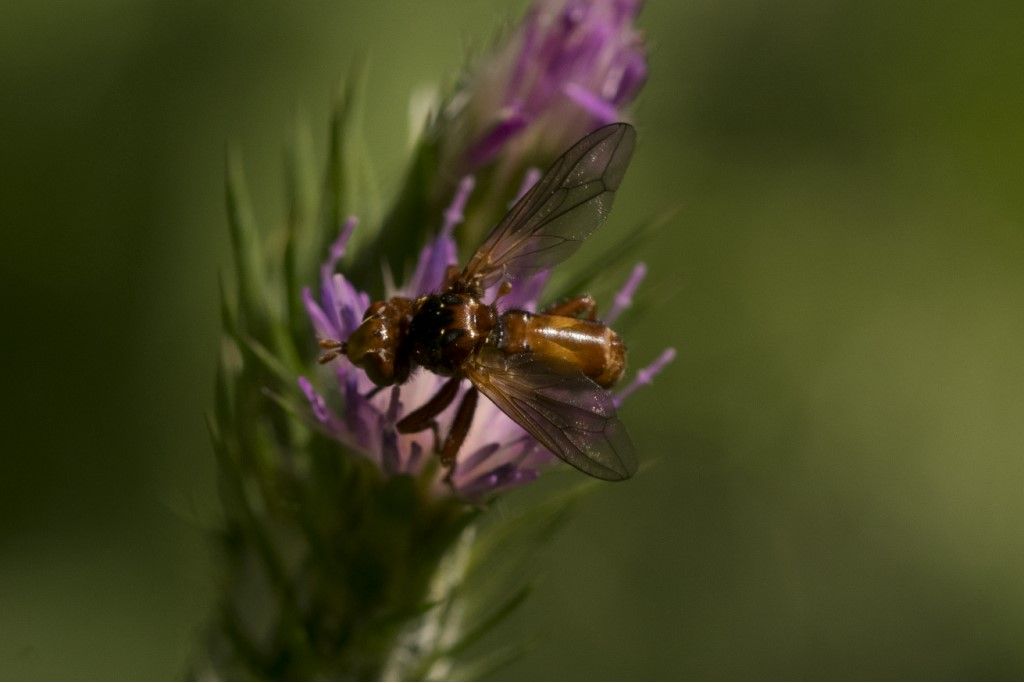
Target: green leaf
<point>228,309</point>
<point>268,361</point>
<point>488,665</point>
<point>344,189</point>
<point>475,633</point>
<point>414,217</point>
<point>245,245</point>
<point>301,246</point>
<point>528,530</point>
<point>289,405</point>
<point>225,387</point>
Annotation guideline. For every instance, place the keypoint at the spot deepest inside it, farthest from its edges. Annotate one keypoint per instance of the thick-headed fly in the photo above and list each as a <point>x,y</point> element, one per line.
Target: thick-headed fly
<point>549,371</point>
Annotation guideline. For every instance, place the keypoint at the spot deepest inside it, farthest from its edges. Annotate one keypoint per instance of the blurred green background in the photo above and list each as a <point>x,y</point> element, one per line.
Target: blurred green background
<point>839,486</point>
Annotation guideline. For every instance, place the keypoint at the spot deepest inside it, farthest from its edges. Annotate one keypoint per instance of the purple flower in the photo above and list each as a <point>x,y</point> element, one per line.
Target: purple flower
<point>570,67</point>
<point>497,454</point>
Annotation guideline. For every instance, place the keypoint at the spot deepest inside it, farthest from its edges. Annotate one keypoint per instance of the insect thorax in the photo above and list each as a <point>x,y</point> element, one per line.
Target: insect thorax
<point>447,329</point>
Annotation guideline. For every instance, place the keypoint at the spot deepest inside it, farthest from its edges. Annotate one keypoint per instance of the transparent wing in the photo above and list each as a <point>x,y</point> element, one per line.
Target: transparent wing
<point>553,219</point>
<point>565,411</point>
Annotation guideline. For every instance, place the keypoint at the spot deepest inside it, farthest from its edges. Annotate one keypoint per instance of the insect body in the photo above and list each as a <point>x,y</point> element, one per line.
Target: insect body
<point>548,371</point>
<point>587,345</point>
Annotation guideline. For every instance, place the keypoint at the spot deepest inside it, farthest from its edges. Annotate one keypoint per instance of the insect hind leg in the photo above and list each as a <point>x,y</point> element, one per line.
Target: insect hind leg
<point>578,307</point>
<point>425,417</point>
<point>457,434</point>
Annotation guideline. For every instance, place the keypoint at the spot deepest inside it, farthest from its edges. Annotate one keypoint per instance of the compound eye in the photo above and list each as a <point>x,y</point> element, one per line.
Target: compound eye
<point>379,367</point>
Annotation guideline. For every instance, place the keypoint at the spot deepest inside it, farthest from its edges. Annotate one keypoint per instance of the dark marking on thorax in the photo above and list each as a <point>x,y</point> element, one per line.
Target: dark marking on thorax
<point>446,330</point>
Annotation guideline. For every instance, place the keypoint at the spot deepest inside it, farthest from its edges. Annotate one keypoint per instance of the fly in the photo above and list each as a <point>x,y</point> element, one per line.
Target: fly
<point>549,371</point>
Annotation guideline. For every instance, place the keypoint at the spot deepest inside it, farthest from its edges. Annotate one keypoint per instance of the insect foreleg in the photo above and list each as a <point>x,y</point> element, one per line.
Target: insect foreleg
<point>577,307</point>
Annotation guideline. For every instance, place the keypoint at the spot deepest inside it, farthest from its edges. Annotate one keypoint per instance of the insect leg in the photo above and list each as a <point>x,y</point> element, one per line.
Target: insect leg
<point>451,274</point>
<point>579,306</point>
<point>503,290</point>
<point>460,427</point>
<point>423,418</point>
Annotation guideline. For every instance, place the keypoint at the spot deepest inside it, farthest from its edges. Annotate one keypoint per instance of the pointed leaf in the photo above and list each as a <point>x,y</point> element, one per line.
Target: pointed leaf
<point>475,633</point>
<point>267,360</point>
<point>487,666</point>
<point>301,255</point>
<point>245,244</point>
<point>341,195</point>
<point>414,216</point>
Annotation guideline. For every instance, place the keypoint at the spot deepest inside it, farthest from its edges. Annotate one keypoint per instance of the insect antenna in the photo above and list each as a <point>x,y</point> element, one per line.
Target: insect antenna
<point>332,349</point>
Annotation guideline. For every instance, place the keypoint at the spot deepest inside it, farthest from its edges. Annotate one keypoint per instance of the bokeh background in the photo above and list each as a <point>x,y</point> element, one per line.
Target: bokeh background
<point>838,478</point>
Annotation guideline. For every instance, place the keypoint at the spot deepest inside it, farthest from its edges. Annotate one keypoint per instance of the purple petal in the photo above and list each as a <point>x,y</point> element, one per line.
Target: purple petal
<point>470,463</point>
<point>431,266</point>
<point>415,459</point>
<point>530,179</point>
<point>316,402</point>
<point>394,405</point>
<point>626,80</point>
<point>455,213</point>
<point>646,375</point>
<point>624,297</point>
<point>525,292</point>
<point>389,457</point>
<point>349,304</point>
<point>527,48</point>
<point>534,455</point>
<point>324,328</point>
<point>503,478</point>
<point>602,111</point>
<point>360,415</point>
<point>511,124</point>
<point>571,66</point>
<point>441,252</point>
<point>337,249</point>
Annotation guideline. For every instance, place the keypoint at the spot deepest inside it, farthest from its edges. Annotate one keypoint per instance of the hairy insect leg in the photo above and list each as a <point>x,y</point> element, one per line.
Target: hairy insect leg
<point>577,307</point>
<point>425,417</point>
<point>460,428</point>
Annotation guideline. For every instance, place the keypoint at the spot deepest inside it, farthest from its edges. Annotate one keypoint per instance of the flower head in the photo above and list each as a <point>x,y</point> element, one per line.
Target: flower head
<point>570,67</point>
<point>497,454</point>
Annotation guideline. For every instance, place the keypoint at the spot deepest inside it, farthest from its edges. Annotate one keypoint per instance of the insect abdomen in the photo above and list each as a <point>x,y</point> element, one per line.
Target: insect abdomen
<point>592,347</point>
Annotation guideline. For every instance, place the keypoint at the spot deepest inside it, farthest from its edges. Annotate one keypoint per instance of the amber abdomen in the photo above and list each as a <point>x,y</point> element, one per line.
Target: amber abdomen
<point>592,347</point>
